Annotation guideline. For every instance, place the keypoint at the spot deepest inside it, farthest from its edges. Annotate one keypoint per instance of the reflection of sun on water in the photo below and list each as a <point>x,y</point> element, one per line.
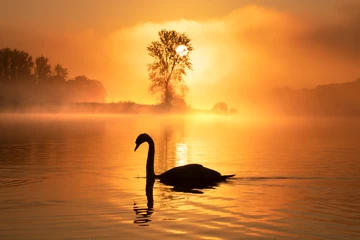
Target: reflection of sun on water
<point>181,154</point>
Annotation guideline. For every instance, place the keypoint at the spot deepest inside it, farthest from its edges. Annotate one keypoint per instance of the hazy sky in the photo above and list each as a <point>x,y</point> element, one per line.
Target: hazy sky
<point>241,47</point>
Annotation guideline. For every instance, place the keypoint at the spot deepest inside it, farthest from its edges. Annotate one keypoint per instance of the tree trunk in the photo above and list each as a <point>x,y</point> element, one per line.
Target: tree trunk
<point>167,93</point>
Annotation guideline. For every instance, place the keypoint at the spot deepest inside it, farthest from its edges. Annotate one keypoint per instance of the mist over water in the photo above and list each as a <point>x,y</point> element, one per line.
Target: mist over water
<point>78,177</point>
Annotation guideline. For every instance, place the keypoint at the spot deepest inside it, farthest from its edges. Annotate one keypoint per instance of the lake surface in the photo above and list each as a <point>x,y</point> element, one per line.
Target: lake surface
<point>78,177</point>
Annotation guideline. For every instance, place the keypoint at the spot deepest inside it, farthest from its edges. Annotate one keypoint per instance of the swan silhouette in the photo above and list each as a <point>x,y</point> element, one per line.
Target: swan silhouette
<point>188,176</point>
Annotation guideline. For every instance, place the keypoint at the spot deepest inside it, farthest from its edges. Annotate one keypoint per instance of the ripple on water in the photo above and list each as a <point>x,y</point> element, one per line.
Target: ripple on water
<point>11,182</point>
<point>74,178</point>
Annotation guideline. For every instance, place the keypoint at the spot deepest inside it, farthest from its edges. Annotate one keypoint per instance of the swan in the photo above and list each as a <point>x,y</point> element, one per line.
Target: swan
<point>191,175</point>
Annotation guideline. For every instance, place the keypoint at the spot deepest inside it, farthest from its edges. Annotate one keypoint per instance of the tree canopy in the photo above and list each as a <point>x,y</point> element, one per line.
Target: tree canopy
<point>168,67</point>
<point>15,65</point>
<point>42,68</point>
<point>220,108</point>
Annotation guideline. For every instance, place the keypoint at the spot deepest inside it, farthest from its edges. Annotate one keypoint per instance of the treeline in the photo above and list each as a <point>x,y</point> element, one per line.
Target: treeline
<point>340,99</point>
<point>223,109</point>
<point>126,107</point>
<point>24,81</point>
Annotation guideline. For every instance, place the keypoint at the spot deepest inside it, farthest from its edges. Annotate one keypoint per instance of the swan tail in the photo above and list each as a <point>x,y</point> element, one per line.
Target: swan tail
<point>224,177</point>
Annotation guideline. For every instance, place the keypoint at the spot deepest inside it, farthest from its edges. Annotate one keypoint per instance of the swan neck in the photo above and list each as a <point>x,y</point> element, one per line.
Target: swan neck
<point>150,160</point>
<point>149,192</point>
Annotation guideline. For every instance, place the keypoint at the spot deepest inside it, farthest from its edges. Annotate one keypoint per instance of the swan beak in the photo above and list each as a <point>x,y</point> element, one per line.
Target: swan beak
<point>137,145</point>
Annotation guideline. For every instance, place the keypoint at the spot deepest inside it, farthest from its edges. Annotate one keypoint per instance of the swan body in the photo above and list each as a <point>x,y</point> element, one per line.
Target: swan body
<point>194,175</point>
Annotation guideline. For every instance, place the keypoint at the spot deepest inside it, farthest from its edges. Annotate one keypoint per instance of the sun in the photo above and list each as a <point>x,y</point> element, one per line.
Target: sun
<point>182,50</point>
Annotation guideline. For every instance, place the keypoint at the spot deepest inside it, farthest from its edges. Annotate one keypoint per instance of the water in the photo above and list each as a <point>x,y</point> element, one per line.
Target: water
<point>78,177</point>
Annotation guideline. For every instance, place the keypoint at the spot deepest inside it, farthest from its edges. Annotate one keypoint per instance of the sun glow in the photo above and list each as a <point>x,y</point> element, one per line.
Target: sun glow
<point>182,50</point>
<point>181,154</point>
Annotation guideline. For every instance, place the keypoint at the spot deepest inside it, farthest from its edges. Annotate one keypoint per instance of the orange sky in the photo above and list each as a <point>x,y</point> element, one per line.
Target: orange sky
<point>240,49</point>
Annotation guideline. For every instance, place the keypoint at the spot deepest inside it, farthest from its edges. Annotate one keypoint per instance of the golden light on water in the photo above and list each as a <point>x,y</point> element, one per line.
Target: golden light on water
<point>181,154</point>
<point>182,50</point>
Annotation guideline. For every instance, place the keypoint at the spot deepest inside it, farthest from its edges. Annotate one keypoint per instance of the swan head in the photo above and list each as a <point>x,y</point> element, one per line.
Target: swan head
<point>141,139</point>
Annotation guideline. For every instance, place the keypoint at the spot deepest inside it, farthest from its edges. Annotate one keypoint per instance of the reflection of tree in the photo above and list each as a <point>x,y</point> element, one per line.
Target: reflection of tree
<point>45,147</point>
<point>164,147</point>
<point>172,133</point>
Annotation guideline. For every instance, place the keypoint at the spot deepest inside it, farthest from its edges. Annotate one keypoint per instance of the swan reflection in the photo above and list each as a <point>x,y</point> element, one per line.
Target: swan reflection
<point>143,214</point>
<point>189,178</point>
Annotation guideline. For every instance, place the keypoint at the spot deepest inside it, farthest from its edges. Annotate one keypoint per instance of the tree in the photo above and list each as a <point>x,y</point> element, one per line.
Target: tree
<point>15,75</point>
<point>233,111</point>
<point>220,108</point>
<point>60,72</point>
<point>42,69</point>
<point>21,83</point>
<point>83,89</point>
<point>168,67</point>
<point>15,65</point>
